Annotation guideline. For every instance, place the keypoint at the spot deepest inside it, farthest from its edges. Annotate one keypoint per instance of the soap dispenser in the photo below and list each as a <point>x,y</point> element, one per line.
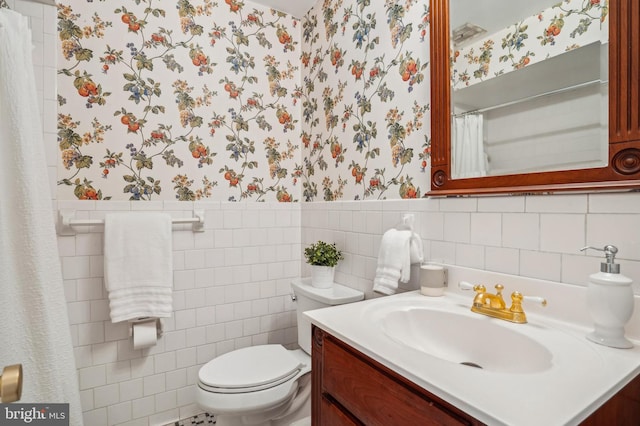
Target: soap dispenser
<point>610,301</point>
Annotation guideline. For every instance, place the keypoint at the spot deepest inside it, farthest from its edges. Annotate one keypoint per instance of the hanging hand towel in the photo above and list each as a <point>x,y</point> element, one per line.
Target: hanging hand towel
<point>416,248</point>
<point>393,261</point>
<point>138,271</point>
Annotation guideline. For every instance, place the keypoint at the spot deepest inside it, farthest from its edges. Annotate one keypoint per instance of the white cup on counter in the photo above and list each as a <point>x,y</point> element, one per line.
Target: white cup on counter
<point>433,280</point>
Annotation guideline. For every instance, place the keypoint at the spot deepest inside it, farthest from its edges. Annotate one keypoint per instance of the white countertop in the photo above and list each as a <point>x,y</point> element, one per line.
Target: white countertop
<point>582,377</point>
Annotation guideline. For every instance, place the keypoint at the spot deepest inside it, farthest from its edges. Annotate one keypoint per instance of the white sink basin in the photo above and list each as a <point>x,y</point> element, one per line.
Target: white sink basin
<point>469,341</point>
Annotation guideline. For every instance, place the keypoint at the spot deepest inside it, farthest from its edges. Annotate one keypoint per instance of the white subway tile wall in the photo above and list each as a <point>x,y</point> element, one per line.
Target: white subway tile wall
<point>535,236</point>
<point>231,290</point>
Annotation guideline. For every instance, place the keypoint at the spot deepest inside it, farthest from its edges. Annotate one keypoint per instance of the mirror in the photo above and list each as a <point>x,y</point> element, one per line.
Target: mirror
<point>474,93</point>
<point>517,64</point>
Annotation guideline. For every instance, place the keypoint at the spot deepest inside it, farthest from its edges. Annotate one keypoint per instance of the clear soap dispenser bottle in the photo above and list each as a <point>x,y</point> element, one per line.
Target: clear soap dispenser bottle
<point>610,302</point>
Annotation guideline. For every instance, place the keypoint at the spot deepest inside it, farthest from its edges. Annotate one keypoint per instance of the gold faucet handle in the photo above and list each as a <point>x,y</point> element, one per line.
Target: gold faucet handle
<point>517,298</point>
<point>480,289</point>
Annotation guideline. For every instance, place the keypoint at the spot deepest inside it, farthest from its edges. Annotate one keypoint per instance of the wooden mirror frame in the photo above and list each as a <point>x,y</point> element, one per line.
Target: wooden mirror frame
<point>623,169</point>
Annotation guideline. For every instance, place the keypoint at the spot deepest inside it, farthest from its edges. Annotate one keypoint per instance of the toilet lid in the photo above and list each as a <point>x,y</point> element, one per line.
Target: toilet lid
<point>249,369</point>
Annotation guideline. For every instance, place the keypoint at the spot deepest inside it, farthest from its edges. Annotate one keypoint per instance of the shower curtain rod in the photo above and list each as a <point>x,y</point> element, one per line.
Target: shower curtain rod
<point>5,5</point>
<point>530,98</point>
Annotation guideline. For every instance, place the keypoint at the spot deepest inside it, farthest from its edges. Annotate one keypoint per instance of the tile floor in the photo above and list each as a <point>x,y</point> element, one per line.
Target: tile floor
<point>200,419</point>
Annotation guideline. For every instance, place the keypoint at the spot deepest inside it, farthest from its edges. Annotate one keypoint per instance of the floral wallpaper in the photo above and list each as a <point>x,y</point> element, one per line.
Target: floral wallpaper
<point>364,96</point>
<point>567,25</point>
<point>226,100</point>
<point>186,100</point>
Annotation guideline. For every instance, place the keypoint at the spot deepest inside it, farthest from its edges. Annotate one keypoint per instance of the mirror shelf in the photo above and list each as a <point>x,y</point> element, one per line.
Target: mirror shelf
<point>623,169</point>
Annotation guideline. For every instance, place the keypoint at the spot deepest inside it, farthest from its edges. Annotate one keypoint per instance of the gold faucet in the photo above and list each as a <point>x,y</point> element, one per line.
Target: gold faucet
<point>493,305</point>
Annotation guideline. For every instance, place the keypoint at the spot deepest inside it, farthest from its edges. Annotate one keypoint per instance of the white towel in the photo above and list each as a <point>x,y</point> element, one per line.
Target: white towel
<point>138,270</point>
<point>416,249</point>
<point>394,261</point>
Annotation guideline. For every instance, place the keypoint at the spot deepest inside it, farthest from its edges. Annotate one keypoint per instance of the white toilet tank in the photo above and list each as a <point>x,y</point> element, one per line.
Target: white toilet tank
<point>310,298</point>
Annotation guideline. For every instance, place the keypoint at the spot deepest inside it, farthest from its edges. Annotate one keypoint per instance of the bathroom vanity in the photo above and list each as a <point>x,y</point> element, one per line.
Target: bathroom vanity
<point>397,360</point>
<point>350,388</point>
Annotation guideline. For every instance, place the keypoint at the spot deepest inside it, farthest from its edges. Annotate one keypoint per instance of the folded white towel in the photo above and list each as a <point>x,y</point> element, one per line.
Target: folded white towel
<point>394,261</point>
<point>138,260</point>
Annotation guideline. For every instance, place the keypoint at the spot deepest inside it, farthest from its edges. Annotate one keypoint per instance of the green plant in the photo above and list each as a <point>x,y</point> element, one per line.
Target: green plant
<point>323,254</point>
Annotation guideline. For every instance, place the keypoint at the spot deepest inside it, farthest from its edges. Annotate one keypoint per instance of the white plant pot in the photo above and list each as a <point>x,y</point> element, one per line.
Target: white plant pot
<point>322,276</point>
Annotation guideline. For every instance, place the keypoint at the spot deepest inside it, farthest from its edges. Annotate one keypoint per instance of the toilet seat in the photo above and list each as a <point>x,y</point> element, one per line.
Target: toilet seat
<point>244,394</point>
<point>249,369</point>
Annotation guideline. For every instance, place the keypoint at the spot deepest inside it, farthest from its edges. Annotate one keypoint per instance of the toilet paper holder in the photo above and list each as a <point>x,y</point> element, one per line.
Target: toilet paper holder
<point>159,327</point>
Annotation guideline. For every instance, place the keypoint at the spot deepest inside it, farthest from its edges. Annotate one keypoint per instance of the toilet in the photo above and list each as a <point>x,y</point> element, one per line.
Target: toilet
<point>268,384</point>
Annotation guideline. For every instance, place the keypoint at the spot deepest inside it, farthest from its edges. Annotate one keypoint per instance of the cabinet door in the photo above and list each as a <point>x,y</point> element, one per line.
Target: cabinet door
<point>377,397</point>
<point>334,416</point>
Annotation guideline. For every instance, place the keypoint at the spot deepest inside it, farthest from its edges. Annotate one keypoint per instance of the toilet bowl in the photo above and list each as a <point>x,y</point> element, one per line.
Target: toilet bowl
<point>268,384</point>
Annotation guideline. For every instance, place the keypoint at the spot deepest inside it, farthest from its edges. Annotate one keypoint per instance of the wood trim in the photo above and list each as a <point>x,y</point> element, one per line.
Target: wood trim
<point>624,69</point>
<point>440,93</point>
<point>333,415</point>
<point>317,337</point>
<point>623,170</point>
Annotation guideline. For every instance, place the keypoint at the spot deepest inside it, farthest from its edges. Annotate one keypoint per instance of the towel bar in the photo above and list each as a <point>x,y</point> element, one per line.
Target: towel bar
<point>66,221</point>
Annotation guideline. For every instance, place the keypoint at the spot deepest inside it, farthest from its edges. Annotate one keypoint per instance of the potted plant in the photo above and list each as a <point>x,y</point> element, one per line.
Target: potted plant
<point>323,259</point>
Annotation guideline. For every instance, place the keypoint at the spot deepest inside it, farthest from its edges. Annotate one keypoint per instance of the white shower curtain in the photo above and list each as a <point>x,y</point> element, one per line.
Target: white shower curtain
<point>34,327</point>
<point>468,157</point>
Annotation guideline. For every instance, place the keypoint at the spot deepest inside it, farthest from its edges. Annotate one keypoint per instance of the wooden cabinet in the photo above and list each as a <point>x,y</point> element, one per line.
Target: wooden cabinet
<point>349,388</point>
<point>622,409</point>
